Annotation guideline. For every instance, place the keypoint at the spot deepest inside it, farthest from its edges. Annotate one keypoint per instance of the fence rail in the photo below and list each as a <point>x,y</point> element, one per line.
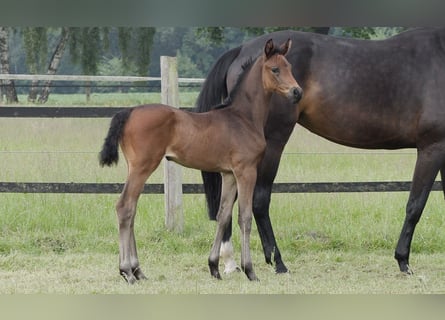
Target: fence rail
<point>190,188</point>
<point>58,112</point>
<point>46,77</point>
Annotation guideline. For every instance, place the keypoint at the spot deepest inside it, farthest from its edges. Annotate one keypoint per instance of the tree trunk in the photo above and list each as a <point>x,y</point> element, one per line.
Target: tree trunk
<point>8,85</point>
<point>54,63</point>
<point>88,90</point>
<point>32,95</point>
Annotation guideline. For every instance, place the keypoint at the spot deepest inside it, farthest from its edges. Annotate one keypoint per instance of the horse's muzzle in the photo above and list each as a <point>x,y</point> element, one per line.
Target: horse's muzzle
<point>296,95</point>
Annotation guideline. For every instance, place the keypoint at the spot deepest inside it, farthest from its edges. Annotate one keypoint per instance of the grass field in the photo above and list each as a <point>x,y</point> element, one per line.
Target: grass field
<point>332,243</point>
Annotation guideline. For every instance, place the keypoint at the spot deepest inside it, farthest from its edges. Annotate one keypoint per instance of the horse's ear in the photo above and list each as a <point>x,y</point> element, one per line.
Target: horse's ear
<point>285,47</point>
<point>269,48</point>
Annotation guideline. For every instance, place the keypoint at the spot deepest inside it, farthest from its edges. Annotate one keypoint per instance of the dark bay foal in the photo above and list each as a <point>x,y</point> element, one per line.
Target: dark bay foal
<point>229,140</point>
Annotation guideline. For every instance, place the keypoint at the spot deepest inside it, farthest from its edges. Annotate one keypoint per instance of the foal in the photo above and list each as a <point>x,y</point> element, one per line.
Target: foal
<point>229,140</point>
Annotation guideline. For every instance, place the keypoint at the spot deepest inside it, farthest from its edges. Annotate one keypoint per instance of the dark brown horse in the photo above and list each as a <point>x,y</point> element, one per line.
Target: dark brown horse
<point>229,140</point>
<point>386,94</point>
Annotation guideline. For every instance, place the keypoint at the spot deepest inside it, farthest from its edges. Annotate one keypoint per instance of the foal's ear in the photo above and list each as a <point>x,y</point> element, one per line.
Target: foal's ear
<point>285,47</point>
<point>269,48</point>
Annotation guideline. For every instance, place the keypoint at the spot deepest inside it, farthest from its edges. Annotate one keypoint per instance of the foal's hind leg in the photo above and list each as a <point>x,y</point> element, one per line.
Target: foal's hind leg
<point>429,161</point>
<point>223,218</point>
<point>126,212</point>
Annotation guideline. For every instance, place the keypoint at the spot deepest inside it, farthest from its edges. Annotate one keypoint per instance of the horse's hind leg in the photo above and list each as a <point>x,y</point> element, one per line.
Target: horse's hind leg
<point>223,218</point>
<point>126,212</point>
<point>442,178</point>
<point>429,161</point>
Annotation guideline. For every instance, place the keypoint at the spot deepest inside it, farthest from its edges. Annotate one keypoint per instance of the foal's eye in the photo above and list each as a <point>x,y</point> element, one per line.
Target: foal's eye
<point>275,70</point>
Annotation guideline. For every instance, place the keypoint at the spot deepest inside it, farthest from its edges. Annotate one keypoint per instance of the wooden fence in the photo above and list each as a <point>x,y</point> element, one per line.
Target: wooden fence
<point>172,187</point>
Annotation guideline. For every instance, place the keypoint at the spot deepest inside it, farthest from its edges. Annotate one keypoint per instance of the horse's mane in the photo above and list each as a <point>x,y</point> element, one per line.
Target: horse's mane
<point>245,70</point>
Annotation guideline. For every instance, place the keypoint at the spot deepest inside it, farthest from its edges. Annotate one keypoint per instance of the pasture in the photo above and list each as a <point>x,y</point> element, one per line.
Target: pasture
<point>332,243</point>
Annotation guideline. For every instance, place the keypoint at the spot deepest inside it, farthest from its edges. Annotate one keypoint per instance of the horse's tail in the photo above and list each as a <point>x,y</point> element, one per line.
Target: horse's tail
<point>110,153</point>
<point>213,91</point>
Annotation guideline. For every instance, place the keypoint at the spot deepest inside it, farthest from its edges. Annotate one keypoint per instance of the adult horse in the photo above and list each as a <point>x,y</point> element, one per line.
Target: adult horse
<point>229,140</point>
<point>385,94</point>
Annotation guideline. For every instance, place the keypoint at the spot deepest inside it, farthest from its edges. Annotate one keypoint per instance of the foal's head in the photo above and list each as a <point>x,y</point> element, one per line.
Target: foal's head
<point>277,73</point>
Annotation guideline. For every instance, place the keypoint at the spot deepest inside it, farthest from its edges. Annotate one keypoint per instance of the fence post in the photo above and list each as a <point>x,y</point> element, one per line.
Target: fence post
<point>174,219</point>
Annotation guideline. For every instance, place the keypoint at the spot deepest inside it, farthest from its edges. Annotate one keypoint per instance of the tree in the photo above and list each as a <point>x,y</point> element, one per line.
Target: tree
<point>11,94</point>
<point>55,62</point>
<point>36,47</point>
<point>216,35</point>
<point>136,49</point>
<point>85,48</point>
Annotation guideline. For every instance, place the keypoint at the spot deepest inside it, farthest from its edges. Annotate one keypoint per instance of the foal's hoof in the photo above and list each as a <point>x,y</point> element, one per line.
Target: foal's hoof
<point>130,278</point>
<point>213,266</point>
<point>139,275</point>
<point>231,267</point>
<point>253,277</point>
<point>215,274</point>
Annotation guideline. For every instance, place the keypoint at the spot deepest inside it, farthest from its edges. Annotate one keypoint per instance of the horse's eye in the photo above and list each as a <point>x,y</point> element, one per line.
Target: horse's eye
<point>275,70</point>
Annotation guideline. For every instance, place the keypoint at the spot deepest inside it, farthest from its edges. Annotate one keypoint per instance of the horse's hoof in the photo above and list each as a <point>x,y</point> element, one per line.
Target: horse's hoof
<point>408,271</point>
<point>281,268</point>
<point>404,267</point>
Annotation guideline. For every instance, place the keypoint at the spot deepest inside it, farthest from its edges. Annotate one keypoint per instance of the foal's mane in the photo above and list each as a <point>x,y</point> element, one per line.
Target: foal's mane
<point>245,70</point>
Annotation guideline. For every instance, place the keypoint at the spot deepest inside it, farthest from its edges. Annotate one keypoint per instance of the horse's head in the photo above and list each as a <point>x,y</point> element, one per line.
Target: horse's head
<point>277,73</point>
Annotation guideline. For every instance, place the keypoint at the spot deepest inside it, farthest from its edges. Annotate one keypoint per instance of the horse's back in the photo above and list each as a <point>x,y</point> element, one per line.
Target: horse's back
<point>377,89</point>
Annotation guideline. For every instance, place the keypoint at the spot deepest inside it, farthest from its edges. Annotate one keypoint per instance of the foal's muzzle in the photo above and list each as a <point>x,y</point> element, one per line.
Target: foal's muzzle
<point>296,94</point>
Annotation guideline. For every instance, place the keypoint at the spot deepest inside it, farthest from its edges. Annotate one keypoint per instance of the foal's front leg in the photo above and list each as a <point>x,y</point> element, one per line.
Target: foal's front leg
<point>246,184</point>
<point>223,218</point>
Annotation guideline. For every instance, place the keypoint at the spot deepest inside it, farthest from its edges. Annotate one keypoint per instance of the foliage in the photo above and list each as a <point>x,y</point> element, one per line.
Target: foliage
<point>36,47</point>
<point>94,50</point>
<point>135,45</point>
<point>86,48</point>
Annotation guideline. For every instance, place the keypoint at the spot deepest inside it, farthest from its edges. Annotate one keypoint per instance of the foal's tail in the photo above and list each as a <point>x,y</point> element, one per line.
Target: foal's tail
<point>213,91</point>
<point>110,150</point>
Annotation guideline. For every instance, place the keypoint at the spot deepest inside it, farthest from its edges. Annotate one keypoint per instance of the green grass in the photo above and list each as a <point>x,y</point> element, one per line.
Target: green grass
<point>332,243</point>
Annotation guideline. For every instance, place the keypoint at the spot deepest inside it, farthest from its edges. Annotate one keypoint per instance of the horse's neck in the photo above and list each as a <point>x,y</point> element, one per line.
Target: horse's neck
<point>252,101</point>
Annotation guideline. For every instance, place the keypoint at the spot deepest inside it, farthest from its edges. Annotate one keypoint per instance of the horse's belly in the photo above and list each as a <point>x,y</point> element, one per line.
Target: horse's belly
<point>362,135</point>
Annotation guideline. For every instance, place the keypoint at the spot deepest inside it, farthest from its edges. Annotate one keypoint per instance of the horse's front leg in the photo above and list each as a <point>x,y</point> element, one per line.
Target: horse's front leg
<point>267,172</point>
<point>223,218</point>
<point>261,205</point>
